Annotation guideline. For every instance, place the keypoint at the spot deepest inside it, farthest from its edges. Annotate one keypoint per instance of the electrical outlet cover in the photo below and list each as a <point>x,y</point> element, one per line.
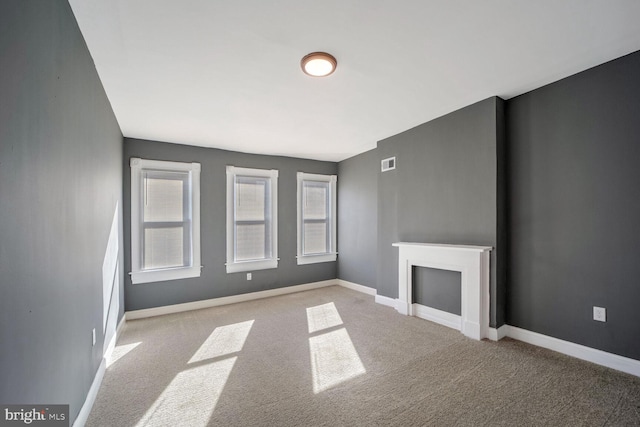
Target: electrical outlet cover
<point>600,314</point>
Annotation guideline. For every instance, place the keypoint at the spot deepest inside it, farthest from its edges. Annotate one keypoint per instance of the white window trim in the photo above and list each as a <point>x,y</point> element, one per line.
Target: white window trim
<point>332,254</point>
<point>146,276</point>
<point>240,266</point>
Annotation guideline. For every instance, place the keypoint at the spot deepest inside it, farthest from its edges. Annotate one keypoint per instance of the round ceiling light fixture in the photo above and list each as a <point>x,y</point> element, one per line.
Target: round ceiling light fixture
<point>318,64</point>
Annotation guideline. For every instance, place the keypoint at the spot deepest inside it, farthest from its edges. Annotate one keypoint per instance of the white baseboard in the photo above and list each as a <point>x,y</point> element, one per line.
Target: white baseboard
<point>114,338</point>
<point>83,415</point>
<point>197,305</point>
<point>620,363</point>
<point>233,299</point>
<point>599,357</point>
<point>497,334</point>
<point>356,287</point>
<point>381,299</point>
<point>437,316</point>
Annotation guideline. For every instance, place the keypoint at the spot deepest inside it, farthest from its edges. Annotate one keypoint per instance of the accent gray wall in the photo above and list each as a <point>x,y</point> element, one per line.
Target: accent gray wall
<point>574,214</point>
<point>501,251</point>
<point>358,218</point>
<point>60,186</point>
<point>214,281</point>
<point>443,190</point>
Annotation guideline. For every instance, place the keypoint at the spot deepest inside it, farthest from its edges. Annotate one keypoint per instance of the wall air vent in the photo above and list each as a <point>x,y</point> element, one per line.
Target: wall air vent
<point>388,164</point>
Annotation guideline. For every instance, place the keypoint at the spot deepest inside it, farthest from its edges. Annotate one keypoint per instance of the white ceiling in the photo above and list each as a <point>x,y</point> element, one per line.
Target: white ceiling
<point>226,74</point>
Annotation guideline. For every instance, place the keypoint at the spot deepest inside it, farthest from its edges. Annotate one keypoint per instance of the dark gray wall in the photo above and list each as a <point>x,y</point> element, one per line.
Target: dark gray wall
<point>387,201</point>
<point>441,289</point>
<point>60,184</point>
<point>501,252</point>
<point>214,281</point>
<point>443,190</point>
<point>358,218</point>
<point>574,214</point>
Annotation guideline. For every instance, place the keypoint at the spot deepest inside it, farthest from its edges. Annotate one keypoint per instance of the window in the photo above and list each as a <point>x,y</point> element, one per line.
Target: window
<point>252,219</point>
<point>165,220</point>
<point>316,218</point>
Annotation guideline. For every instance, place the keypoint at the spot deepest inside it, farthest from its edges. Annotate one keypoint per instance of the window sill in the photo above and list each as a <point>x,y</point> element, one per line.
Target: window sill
<point>164,275</point>
<point>238,267</point>
<point>314,259</point>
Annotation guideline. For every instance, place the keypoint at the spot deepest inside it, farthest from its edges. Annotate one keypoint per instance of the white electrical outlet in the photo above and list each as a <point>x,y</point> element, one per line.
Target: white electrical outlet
<point>93,336</point>
<point>248,276</point>
<point>599,314</point>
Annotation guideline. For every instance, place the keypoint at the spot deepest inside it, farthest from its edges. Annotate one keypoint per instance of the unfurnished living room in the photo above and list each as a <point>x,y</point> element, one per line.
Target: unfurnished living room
<point>303,213</point>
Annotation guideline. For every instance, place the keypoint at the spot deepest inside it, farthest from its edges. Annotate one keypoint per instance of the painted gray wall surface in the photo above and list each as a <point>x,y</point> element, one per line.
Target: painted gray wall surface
<point>574,215</point>
<point>501,251</point>
<point>387,200</point>
<point>443,190</point>
<point>214,281</point>
<point>358,219</point>
<point>60,183</point>
<point>439,289</point>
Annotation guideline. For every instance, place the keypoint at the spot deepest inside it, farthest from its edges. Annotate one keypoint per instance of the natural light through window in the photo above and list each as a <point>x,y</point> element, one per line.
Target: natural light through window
<point>252,219</point>
<point>316,218</point>
<point>165,220</point>
<point>120,351</point>
<point>224,340</point>
<point>323,317</point>
<point>191,397</point>
<point>334,358</point>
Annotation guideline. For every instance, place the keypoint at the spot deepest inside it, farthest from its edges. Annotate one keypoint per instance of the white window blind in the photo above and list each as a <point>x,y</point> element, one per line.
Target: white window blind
<point>316,218</point>
<point>165,233</point>
<point>166,220</point>
<point>251,219</point>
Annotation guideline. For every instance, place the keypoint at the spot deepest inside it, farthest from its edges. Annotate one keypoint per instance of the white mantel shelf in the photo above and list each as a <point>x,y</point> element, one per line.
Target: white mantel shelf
<point>473,264</point>
<point>446,246</point>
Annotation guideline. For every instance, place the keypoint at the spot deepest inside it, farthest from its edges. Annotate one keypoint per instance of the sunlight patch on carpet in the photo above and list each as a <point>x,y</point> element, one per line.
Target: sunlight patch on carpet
<point>223,340</point>
<point>120,351</point>
<point>191,397</point>
<point>334,360</point>
<point>323,317</point>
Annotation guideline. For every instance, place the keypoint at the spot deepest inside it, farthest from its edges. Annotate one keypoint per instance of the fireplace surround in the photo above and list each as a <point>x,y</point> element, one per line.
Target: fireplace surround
<point>473,264</point>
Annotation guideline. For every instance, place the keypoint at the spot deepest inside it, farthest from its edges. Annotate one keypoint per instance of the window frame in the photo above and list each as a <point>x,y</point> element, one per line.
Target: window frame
<point>331,255</point>
<point>138,274</point>
<point>232,265</point>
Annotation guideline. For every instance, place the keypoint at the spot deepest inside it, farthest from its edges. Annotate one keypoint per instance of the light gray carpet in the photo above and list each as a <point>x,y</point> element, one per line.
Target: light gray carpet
<point>332,357</point>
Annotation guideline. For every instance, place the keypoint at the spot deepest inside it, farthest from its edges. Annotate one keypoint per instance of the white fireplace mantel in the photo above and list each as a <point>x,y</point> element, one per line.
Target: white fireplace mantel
<point>473,264</point>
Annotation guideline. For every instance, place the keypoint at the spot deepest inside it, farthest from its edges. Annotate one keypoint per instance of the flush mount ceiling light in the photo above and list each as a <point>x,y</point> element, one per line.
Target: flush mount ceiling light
<point>318,64</point>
